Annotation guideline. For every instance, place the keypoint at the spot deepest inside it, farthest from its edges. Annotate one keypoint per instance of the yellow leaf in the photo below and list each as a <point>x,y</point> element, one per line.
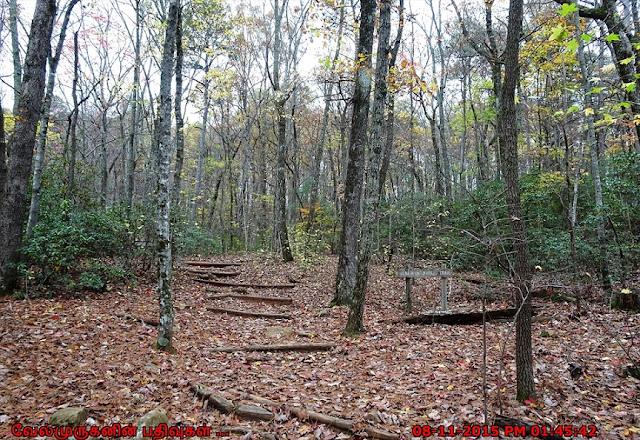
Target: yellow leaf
<point>608,427</point>
<point>450,387</point>
<point>625,291</point>
<point>588,111</point>
<point>635,429</point>
<point>538,267</point>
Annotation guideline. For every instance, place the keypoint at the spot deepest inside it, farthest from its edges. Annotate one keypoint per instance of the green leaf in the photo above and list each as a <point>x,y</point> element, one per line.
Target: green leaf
<point>624,104</point>
<point>558,33</point>
<point>567,8</point>
<point>627,60</point>
<point>612,37</point>
<point>587,37</point>
<point>595,90</point>
<point>572,45</point>
<point>630,87</point>
<point>573,108</point>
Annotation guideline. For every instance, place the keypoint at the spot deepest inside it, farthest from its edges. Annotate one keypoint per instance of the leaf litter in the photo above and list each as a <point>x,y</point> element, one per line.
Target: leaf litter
<point>80,352</point>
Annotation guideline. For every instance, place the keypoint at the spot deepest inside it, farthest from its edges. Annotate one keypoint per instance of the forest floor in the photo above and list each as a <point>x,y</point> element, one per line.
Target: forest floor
<point>82,350</point>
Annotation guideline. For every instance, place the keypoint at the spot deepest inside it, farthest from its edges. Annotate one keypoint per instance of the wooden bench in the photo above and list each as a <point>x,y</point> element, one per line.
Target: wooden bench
<point>410,274</point>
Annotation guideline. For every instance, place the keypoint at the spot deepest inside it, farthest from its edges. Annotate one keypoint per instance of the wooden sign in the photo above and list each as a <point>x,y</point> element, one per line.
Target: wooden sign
<point>423,273</point>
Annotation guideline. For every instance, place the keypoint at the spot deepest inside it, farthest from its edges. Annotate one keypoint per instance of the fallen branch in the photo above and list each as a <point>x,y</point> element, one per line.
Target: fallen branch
<point>211,263</point>
<point>503,421</point>
<point>151,322</point>
<point>248,314</point>
<point>336,422</point>
<point>467,318</point>
<point>252,285</point>
<point>276,347</point>
<point>215,273</point>
<point>226,406</point>
<point>272,299</point>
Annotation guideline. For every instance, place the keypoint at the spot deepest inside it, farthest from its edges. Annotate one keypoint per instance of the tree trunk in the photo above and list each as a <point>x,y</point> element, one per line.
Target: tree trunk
<point>38,165</point>
<point>177,109</point>
<point>348,259</point>
<point>595,162</point>
<point>15,52</point>
<point>130,159</point>
<point>73,123</point>
<point>22,142</point>
<point>317,160</point>
<point>508,141</point>
<point>364,244</point>
<point>163,164</point>
<point>280,187</point>
<point>201,150</point>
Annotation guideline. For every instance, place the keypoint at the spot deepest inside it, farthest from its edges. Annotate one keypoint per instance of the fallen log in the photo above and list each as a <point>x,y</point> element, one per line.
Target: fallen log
<point>226,406</point>
<point>336,422</point>
<point>211,263</point>
<point>272,299</point>
<point>215,273</point>
<point>276,347</point>
<point>503,422</point>
<point>252,285</point>
<point>464,318</point>
<point>248,314</point>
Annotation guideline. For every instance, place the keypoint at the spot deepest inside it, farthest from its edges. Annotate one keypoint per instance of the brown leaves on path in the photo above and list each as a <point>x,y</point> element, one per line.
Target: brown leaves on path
<point>87,352</point>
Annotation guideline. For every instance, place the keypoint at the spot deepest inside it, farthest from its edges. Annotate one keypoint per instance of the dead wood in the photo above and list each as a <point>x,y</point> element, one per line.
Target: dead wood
<point>252,412</point>
<point>272,299</point>
<point>220,403</point>
<point>466,318</point>
<point>215,273</point>
<point>275,347</point>
<point>248,314</point>
<point>211,263</point>
<point>151,322</point>
<point>503,421</point>
<point>252,285</point>
<point>336,422</point>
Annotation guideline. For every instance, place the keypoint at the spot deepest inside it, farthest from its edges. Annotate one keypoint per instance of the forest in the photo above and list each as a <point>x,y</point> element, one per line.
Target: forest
<point>320,219</point>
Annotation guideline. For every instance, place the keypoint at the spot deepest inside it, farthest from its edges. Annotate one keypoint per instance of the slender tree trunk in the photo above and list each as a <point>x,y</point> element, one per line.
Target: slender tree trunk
<point>130,160</point>
<point>3,157</point>
<point>177,109</point>
<point>163,165</point>
<point>348,259</point>
<point>15,52</point>
<point>201,152</point>
<point>317,160</point>
<point>280,187</point>
<point>595,162</point>
<point>22,143</point>
<point>372,191</point>
<point>74,120</point>
<point>508,141</point>
<point>38,165</point>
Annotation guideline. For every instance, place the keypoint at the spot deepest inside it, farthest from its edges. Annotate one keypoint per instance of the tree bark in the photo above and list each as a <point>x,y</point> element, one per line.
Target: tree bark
<point>73,123</point>
<point>15,52</point>
<point>163,164</point>
<point>508,141</point>
<point>280,187</point>
<point>201,149</point>
<point>348,259</point>
<point>177,109</point>
<point>372,190</point>
<point>38,165</point>
<point>130,160</point>
<point>22,142</point>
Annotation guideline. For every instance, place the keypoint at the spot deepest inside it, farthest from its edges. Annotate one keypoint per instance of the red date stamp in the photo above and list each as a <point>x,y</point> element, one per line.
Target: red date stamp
<point>115,430</point>
<point>540,431</point>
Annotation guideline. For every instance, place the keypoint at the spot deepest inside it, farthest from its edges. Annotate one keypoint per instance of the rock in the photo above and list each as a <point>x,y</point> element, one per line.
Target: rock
<point>151,368</point>
<point>324,313</point>
<point>283,332</point>
<point>153,418</point>
<point>69,417</point>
